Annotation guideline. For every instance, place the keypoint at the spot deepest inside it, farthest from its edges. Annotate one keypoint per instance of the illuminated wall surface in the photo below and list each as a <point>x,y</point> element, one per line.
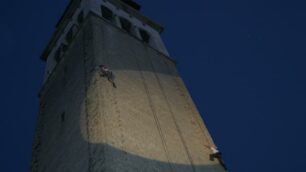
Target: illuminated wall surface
<point>148,123</point>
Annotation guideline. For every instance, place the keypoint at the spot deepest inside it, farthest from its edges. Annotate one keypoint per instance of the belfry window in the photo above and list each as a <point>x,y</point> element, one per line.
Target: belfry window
<point>107,13</point>
<point>71,33</point>
<point>64,47</point>
<point>60,52</point>
<point>145,36</point>
<point>58,55</point>
<point>81,17</point>
<point>69,36</point>
<point>126,24</point>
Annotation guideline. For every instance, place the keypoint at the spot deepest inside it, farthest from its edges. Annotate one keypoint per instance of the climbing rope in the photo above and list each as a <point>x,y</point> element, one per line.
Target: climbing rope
<point>84,46</point>
<point>172,115</point>
<point>114,101</point>
<point>101,103</point>
<point>205,135</point>
<point>154,113</point>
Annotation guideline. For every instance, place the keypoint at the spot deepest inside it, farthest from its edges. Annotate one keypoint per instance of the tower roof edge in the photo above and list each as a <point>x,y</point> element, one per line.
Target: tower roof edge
<point>74,4</point>
<point>132,4</point>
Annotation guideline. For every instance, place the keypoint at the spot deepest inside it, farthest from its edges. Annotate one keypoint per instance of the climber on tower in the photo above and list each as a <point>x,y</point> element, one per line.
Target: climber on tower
<point>105,72</point>
<point>216,154</point>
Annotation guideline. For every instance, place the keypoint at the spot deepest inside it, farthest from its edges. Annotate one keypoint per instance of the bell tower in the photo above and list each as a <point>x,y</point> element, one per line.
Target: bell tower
<point>148,123</point>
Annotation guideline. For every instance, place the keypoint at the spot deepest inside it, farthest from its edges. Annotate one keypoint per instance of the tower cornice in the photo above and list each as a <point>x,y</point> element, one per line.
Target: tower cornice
<point>75,4</point>
<point>60,26</point>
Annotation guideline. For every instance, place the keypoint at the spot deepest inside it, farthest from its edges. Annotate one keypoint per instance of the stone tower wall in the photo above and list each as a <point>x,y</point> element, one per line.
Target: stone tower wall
<point>148,123</point>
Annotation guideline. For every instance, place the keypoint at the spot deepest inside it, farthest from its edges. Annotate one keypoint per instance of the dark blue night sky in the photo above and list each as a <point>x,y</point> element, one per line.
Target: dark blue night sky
<point>243,62</point>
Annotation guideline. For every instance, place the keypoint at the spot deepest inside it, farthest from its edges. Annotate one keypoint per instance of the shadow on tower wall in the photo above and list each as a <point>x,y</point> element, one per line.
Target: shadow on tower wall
<point>79,131</point>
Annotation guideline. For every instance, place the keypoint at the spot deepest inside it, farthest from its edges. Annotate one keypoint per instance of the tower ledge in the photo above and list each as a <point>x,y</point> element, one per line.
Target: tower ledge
<point>44,87</point>
<point>127,5</point>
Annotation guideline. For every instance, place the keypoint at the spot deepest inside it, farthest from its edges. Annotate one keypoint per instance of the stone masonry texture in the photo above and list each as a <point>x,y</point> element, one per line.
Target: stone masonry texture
<point>149,123</point>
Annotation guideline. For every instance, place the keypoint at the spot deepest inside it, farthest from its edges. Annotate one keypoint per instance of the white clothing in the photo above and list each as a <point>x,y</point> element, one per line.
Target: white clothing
<point>214,150</point>
<point>105,69</point>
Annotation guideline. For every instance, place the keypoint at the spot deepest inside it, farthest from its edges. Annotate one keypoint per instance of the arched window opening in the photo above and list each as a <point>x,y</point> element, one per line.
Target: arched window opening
<point>71,33</point>
<point>126,24</point>
<point>60,52</point>
<point>145,36</point>
<point>107,13</point>
<point>81,17</point>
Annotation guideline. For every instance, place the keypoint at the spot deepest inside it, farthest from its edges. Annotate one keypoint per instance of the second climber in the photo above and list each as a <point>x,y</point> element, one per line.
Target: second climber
<point>105,72</point>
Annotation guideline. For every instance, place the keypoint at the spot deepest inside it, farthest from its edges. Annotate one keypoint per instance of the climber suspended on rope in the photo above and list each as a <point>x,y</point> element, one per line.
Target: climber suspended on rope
<point>216,154</point>
<point>105,72</point>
